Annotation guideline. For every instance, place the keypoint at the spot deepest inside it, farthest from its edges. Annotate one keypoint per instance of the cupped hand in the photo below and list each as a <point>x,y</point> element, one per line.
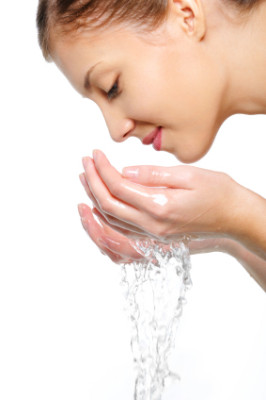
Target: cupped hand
<point>117,247</point>
<point>162,202</point>
<point>121,250</point>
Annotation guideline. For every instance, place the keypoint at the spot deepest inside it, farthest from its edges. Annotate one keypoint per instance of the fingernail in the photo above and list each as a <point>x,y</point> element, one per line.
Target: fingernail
<point>130,172</point>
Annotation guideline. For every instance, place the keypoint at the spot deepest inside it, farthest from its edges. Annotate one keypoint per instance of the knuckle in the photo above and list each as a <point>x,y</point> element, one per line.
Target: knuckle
<point>154,210</point>
<point>225,176</point>
<point>115,188</point>
<point>159,212</point>
<point>189,175</point>
<point>106,206</point>
<point>107,218</point>
<point>153,174</point>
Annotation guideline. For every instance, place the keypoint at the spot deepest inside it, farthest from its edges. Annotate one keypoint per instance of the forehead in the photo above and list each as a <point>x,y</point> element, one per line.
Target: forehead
<point>65,46</point>
<point>104,42</point>
<point>115,47</point>
<point>75,54</point>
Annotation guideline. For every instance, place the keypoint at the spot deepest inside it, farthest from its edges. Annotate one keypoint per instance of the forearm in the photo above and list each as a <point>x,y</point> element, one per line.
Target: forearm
<point>254,265</point>
<point>248,221</point>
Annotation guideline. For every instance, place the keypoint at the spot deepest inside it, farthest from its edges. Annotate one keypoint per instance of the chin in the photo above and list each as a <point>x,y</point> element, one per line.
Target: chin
<point>191,155</point>
<point>189,158</point>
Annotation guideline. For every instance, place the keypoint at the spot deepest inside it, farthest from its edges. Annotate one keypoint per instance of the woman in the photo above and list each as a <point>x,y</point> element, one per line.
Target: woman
<point>169,72</point>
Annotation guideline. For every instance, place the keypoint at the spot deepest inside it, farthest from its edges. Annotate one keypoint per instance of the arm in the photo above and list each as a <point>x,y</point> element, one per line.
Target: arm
<point>119,248</point>
<point>254,265</point>
<point>248,221</point>
<point>168,202</point>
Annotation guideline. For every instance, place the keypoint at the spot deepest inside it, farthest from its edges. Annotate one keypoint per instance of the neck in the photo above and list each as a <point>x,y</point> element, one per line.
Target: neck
<point>243,44</point>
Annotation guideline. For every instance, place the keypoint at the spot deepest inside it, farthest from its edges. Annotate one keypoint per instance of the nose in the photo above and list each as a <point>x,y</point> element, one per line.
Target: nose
<point>118,125</point>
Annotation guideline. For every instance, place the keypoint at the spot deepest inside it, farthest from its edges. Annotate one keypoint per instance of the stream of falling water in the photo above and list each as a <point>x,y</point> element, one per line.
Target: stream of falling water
<point>155,293</point>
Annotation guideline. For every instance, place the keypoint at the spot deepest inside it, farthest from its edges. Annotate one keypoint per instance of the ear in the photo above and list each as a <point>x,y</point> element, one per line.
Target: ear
<point>191,16</point>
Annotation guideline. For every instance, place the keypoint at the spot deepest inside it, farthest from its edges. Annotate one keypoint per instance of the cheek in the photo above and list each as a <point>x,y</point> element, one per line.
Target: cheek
<point>190,91</point>
<point>178,98</point>
<point>143,102</point>
<point>145,96</point>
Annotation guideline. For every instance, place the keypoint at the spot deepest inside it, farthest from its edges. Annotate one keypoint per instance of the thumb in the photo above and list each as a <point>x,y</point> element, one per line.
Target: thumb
<point>150,175</point>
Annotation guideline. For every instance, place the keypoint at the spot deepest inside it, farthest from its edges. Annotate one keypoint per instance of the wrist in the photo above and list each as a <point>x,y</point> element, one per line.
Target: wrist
<point>213,244</point>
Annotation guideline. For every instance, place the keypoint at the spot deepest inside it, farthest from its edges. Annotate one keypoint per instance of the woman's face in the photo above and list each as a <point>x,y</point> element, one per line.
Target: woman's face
<point>144,81</point>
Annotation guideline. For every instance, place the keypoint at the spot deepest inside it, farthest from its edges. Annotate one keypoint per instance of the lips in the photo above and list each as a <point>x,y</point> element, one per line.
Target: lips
<point>154,137</point>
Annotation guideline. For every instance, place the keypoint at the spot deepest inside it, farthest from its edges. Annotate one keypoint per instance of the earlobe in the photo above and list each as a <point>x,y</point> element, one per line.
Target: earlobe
<point>191,17</point>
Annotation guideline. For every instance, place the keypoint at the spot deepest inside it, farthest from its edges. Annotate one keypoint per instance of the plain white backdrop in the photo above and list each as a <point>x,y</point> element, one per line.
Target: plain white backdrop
<point>63,331</point>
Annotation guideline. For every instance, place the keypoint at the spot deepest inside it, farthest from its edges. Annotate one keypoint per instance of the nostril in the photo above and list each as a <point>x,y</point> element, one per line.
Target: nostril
<point>128,128</point>
<point>128,134</point>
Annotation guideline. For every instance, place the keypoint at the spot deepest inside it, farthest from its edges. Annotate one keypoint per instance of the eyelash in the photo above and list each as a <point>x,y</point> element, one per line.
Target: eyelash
<point>113,92</point>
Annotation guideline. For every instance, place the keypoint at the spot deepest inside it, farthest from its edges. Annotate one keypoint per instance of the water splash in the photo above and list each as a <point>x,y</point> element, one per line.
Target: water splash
<point>155,293</point>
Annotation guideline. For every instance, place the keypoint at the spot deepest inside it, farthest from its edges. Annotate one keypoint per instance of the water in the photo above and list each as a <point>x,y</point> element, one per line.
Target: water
<point>155,293</point>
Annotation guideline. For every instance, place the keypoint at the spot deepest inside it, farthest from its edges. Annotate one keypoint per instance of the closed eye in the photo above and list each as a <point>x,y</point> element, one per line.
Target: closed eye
<point>113,92</point>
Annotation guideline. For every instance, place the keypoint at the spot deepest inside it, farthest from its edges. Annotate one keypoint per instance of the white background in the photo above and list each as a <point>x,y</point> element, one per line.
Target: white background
<point>63,331</point>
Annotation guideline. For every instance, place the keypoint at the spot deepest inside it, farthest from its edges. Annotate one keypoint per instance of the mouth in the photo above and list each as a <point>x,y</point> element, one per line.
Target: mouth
<point>155,138</point>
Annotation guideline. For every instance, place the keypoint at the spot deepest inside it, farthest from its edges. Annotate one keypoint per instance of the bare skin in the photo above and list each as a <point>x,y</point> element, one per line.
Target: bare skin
<point>206,83</point>
<point>149,208</point>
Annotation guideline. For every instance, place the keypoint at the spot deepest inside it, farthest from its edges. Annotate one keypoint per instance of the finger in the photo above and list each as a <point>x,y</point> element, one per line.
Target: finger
<point>100,243</point>
<point>117,259</point>
<point>108,203</point>
<point>109,230</point>
<point>172,177</point>
<point>107,219</point>
<point>118,247</point>
<point>124,229</point>
<point>87,189</point>
<point>129,253</point>
<point>94,231</point>
<point>135,195</point>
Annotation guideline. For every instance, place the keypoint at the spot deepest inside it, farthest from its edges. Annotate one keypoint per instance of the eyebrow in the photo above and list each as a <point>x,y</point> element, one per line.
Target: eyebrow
<point>87,84</point>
